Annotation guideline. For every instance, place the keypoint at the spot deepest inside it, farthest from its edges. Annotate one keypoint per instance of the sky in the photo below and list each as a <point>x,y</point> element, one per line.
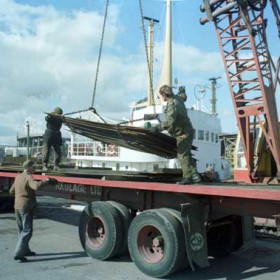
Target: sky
<point>49,51</point>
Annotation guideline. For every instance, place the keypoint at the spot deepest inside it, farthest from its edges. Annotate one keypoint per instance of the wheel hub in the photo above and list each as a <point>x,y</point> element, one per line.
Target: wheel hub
<point>96,231</point>
<point>151,244</point>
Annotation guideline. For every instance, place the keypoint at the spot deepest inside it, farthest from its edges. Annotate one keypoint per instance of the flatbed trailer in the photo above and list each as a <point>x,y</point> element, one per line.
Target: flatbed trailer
<point>164,225</point>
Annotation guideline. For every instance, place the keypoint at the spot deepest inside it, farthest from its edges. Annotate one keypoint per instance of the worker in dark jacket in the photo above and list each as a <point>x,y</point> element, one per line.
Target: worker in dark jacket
<point>52,138</point>
<point>178,124</point>
<point>24,188</point>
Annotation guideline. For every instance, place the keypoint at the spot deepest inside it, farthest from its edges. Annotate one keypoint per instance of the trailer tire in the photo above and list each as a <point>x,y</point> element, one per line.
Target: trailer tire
<point>177,215</point>
<point>173,212</point>
<point>126,221</point>
<point>154,243</point>
<point>102,231</point>
<point>82,227</point>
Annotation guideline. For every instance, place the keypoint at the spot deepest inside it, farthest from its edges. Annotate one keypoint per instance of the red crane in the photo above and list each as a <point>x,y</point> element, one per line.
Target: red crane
<point>241,31</point>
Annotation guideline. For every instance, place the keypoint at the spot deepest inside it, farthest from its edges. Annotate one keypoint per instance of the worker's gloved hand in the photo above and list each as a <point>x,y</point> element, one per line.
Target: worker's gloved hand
<point>153,129</point>
<point>147,125</point>
<point>52,181</point>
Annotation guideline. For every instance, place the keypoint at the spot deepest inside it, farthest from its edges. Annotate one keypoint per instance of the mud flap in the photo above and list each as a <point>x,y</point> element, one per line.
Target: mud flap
<point>193,218</point>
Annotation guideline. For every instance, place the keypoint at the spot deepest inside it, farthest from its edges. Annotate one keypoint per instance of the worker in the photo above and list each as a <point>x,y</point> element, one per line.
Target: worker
<point>178,124</point>
<point>210,175</point>
<point>52,138</point>
<point>24,188</point>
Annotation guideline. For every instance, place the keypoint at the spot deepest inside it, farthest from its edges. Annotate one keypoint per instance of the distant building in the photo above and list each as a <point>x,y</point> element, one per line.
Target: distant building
<point>35,148</point>
<point>2,154</point>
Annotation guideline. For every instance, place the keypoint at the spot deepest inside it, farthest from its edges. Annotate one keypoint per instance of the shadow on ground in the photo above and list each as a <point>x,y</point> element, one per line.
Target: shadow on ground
<point>57,256</point>
<point>57,210</point>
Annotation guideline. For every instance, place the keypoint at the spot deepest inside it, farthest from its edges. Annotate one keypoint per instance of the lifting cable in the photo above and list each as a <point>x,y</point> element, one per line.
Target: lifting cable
<point>276,11</point>
<point>93,110</point>
<point>100,52</point>
<point>147,56</point>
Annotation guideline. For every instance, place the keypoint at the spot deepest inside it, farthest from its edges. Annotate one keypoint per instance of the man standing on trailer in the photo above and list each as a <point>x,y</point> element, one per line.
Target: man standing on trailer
<point>52,138</point>
<point>178,124</point>
<point>24,189</point>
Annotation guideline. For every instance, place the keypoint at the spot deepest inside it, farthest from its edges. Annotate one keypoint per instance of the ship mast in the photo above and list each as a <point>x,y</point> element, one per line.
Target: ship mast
<point>150,46</point>
<point>166,70</point>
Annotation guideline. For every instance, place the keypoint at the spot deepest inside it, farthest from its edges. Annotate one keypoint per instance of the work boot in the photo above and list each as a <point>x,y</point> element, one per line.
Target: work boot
<point>185,181</point>
<point>56,167</point>
<point>20,259</point>
<point>196,178</point>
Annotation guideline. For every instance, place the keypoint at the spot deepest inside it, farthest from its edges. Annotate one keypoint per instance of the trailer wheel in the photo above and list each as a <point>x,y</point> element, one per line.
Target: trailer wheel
<point>155,243</point>
<point>103,231</point>
<point>126,221</point>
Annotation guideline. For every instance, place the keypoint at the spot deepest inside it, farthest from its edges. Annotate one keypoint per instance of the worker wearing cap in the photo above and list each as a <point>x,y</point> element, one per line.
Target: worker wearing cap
<point>52,138</point>
<point>178,124</point>
<point>24,189</point>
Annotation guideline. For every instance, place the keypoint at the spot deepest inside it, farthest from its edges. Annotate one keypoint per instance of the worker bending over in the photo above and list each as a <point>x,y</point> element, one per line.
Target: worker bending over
<point>178,124</point>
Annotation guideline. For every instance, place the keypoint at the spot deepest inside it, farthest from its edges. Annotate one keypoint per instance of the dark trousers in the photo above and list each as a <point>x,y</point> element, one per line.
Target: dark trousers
<point>47,149</point>
<point>24,220</point>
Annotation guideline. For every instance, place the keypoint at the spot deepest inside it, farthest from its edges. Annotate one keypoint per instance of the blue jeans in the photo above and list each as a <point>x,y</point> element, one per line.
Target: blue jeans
<point>24,220</point>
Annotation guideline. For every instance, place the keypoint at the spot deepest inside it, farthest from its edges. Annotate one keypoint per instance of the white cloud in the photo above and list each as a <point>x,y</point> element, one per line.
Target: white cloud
<point>48,59</point>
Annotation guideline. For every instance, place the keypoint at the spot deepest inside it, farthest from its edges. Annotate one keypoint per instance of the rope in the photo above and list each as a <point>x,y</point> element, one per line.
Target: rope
<point>93,110</point>
<point>147,56</point>
<point>100,52</point>
<point>77,112</point>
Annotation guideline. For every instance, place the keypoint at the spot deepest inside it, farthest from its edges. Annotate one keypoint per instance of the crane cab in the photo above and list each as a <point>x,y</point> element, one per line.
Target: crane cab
<point>264,164</point>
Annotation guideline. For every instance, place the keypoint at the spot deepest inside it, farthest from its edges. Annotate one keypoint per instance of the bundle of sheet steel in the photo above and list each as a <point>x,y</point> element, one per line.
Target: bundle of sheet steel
<point>131,137</point>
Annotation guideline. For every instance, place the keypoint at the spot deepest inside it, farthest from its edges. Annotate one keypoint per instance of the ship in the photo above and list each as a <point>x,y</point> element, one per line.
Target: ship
<point>207,127</point>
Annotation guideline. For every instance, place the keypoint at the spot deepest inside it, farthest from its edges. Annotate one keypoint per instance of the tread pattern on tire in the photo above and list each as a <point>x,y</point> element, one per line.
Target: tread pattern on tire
<point>126,219</point>
<point>177,215</point>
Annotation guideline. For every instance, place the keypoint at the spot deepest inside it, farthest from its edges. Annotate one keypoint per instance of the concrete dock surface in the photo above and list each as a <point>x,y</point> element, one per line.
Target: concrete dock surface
<point>61,256</point>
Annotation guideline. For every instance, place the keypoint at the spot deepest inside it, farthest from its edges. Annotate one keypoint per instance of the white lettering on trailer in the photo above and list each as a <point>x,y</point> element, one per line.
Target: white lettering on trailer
<point>95,190</point>
<point>71,188</point>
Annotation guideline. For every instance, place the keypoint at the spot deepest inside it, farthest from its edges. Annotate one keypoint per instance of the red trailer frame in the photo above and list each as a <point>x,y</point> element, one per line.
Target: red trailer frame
<point>206,209</point>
